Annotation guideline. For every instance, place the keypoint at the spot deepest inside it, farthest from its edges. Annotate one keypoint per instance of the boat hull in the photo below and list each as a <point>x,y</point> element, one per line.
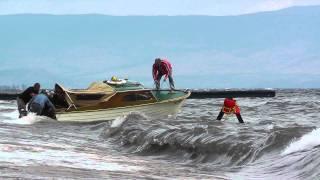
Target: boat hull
<point>151,110</point>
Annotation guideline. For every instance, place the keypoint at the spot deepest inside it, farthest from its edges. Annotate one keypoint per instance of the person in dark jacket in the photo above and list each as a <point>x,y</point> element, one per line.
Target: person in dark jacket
<point>25,97</point>
<point>42,106</point>
<point>162,67</point>
<point>230,106</point>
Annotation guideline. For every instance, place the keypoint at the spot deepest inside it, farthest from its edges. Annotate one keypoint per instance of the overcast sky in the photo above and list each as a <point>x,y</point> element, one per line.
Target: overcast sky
<point>148,7</point>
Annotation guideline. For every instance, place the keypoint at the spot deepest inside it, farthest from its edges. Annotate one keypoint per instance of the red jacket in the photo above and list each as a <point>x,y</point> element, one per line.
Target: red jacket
<point>230,106</point>
<point>164,68</point>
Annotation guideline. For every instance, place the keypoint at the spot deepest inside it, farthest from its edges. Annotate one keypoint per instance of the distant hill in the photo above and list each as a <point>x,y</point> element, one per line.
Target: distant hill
<point>272,49</point>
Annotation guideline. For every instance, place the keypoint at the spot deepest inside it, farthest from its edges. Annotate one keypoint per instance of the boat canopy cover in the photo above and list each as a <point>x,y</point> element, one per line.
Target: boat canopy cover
<point>97,92</point>
<point>100,87</point>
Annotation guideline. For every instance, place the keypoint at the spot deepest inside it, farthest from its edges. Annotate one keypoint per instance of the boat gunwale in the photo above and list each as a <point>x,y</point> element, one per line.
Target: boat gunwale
<point>188,93</point>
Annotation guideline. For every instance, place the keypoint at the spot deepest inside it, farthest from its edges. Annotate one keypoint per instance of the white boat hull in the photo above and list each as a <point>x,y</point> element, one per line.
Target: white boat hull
<point>152,111</point>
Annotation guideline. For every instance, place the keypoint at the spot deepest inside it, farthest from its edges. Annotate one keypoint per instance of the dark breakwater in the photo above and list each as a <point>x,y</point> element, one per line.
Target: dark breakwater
<point>195,94</point>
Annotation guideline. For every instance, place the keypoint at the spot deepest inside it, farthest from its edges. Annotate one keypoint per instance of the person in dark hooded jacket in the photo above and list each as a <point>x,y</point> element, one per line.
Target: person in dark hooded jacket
<point>24,98</point>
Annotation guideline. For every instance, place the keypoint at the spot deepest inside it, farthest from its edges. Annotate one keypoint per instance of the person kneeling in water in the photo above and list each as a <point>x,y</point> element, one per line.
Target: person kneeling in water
<point>230,107</point>
<point>25,97</point>
<point>42,106</point>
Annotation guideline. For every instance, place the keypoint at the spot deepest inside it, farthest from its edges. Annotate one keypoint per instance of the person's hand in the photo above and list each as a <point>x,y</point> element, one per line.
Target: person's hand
<point>164,80</point>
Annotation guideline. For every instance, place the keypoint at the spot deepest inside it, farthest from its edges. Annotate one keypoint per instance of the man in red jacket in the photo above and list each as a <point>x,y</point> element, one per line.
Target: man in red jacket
<point>230,107</point>
<point>162,67</point>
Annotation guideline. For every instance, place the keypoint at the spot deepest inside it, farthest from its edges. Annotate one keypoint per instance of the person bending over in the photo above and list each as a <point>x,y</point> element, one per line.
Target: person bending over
<point>230,107</point>
<point>25,97</point>
<point>162,67</point>
<point>42,106</point>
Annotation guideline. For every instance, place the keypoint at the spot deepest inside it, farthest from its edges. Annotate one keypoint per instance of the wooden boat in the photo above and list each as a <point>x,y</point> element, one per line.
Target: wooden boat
<point>105,101</point>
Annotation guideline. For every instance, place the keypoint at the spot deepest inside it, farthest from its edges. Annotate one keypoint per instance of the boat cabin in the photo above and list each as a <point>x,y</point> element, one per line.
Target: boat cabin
<point>101,95</point>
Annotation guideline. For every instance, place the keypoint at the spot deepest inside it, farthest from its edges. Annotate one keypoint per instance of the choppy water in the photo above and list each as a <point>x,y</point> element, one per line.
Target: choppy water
<point>280,140</point>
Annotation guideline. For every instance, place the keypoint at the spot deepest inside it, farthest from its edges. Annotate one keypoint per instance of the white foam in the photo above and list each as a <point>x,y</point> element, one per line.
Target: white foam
<point>4,101</point>
<point>306,142</point>
<point>65,158</point>
<point>7,106</point>
<point>270,127</point>
<point>31,118</point>
<point>118,122</point>
<point>11,115</point>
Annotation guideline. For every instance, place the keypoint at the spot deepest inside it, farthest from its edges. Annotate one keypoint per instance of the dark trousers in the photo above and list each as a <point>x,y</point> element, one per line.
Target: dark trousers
<point>237,114</point>
<point>21,107</point>
<point>170,81</point>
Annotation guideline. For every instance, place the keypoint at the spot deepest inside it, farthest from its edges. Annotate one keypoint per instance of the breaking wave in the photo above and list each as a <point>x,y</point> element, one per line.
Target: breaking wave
<point>306,142</point>
<point>300,160</point>
<point>199,144</point>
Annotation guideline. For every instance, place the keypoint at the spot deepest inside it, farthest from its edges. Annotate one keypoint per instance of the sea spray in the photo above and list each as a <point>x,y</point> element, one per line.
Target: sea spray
<point>117,124</point>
